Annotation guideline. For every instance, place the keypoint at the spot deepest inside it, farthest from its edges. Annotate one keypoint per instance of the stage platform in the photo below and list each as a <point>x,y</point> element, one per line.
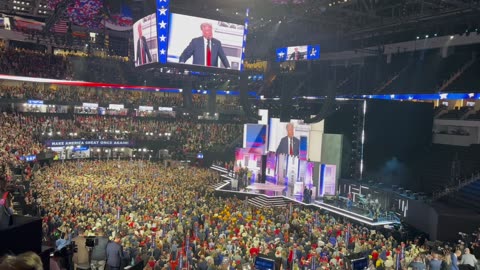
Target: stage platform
<point>271,195</point>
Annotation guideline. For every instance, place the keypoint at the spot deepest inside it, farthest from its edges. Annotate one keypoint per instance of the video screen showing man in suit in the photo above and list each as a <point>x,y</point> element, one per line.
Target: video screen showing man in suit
<point>145,45</point>
<point>205,42</point>
<point>143,55</point>
<point>289,145</point>
<point>206,50</point>
<point>297,53</point>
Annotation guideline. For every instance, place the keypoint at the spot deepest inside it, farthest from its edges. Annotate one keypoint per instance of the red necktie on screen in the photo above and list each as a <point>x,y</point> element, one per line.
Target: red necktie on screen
<point>209,55</point>
<point>291,147</point>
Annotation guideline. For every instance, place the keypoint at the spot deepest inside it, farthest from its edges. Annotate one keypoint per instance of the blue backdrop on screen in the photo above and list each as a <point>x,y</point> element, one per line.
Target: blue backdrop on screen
<point>255,138</point>
<point>298,53</point>
<point>303,148</point>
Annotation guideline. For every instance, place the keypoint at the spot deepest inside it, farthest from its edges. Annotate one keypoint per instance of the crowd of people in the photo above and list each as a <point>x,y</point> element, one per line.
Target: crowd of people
<point>91,95</point>
<point>169,218</point>
<point>110,96</point>
<point>16,141</point>
<point>30,63</point>
<point>189,136</point>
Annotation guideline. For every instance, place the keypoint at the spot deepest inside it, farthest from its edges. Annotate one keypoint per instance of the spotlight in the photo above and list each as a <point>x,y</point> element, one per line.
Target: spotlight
<point>279,21</point>
<point>426,36</point>
<point>418,37</point>
<point>451,37</point>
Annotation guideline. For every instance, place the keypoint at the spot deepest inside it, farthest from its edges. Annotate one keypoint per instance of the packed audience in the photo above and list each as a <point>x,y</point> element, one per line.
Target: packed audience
<point>91,95</point>
<point>22,62</point>
<point>16,140</point>
<point>168,217</point>
<point>189,136</point>
<point>111,96</point>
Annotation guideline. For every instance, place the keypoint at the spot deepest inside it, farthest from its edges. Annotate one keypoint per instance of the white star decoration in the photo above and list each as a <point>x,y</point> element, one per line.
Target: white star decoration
<point>246,25</point>
<point>281,54</point>
<point>471,95</point>
<point>163,1</point>
<point>162,38</point>
<point>314,52</point>
<point>162,51</point>
<point>163,11</point>
<point>443,96</point>
<point>162,24</point>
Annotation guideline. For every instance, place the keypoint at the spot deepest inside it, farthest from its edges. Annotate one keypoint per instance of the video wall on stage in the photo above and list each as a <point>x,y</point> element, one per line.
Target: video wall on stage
<point>255,138</point>
<point>168,37</point>
<point>289,138</point>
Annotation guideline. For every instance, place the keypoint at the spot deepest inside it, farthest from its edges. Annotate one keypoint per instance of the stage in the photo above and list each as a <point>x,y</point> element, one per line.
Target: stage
<point>271,195</point>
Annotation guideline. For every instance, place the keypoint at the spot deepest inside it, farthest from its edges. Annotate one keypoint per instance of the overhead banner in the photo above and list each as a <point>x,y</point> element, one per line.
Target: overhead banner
<point>75,143</point>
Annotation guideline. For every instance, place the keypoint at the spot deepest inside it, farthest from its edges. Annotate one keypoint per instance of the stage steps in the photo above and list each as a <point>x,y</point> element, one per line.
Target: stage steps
<point>217,185</point>
<point>263,201</point>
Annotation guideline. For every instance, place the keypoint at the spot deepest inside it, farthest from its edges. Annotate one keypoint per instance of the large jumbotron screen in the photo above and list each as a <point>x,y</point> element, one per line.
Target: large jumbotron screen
<point>167,37</point>
<point>190,38</point>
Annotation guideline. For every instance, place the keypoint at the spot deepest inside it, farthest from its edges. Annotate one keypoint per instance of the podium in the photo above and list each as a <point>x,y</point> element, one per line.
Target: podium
<point>24,235</point>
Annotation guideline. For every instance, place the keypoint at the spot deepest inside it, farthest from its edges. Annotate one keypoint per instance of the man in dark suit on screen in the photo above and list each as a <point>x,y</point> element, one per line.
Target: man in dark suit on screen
<point>143,53</point>
<point>289,145</point>
<point>296,55</point>
<point>205,49</point>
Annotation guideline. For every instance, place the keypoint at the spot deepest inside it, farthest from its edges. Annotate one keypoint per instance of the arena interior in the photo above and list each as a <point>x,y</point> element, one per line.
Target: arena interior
<point>240,134</point>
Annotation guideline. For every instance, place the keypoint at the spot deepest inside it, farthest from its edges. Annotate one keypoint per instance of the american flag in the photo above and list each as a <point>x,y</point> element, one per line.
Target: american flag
<point>60,26</point>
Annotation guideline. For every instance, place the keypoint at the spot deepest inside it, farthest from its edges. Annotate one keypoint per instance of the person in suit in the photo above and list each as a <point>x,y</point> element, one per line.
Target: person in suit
<point>469,259</point>
<point>289,145</point>
<point>296,55</point>
<point>454,259</point>
<point>143,55</point>
<point>114,254</point>
<point>205,49</point>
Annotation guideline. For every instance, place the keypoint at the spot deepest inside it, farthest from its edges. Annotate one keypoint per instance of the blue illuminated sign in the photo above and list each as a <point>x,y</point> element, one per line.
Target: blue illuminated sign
<point>35,102</point>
